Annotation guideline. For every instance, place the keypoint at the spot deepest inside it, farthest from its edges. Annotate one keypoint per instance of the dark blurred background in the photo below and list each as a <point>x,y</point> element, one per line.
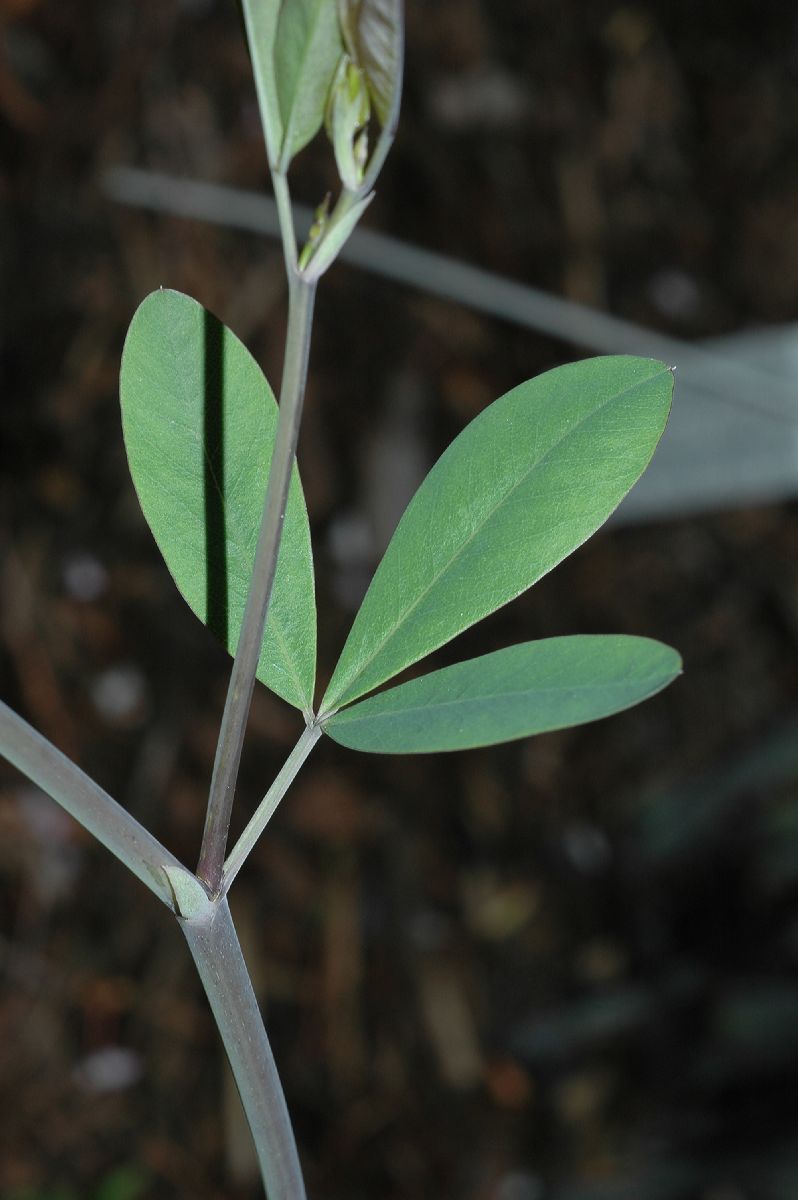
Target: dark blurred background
<point>564,969</point>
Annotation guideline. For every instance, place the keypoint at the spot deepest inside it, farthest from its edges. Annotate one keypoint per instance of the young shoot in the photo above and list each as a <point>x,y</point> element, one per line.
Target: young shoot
<point>213,459</point>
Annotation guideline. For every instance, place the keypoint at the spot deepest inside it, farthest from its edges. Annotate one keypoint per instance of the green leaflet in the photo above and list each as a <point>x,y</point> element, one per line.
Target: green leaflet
<point>308,48</point>
<point>512,693</point>
<point>529,480</point>
<point>199,422</point>
<point>260,18</point>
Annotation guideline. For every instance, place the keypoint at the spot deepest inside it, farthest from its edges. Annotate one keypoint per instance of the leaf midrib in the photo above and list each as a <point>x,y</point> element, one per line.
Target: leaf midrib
<point>579,689</point>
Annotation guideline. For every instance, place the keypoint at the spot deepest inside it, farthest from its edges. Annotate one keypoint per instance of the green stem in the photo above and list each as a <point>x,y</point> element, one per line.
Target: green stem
<point>214,945</point>
<point>265,810</point>
<point>86,801</point>
<point>285,214</point>
<point>260,21</point>
<point>242,679</point>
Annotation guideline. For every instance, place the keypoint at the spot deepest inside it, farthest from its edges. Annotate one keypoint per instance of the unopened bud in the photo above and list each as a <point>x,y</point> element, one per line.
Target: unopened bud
<point>348,111</point>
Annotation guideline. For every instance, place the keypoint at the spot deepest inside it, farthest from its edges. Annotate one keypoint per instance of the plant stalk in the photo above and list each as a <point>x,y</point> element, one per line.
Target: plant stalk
<point>215,949</point>
<point>242,680</point>
<point>285,212</point>
<point>266,809</point>
<point>87,802</point>
<point>260,22</point>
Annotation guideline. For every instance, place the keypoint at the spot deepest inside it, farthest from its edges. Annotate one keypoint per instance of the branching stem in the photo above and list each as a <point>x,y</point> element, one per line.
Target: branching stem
<point>216,951</point>
<point>242,679</point>
<point>87,802</point>
<point>265,810</point>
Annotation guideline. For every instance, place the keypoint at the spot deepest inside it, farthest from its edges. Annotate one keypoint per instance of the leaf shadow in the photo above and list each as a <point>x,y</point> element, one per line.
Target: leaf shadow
<point>216,581</point>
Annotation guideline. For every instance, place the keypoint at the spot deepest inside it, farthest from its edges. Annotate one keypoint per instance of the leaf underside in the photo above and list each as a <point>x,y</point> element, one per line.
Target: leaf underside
<point>199,422</point>
<point>308,47</point>
<point>261,22</point>
<point>513,693</point>
<point>529,480</point>
<point>373,35</point>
